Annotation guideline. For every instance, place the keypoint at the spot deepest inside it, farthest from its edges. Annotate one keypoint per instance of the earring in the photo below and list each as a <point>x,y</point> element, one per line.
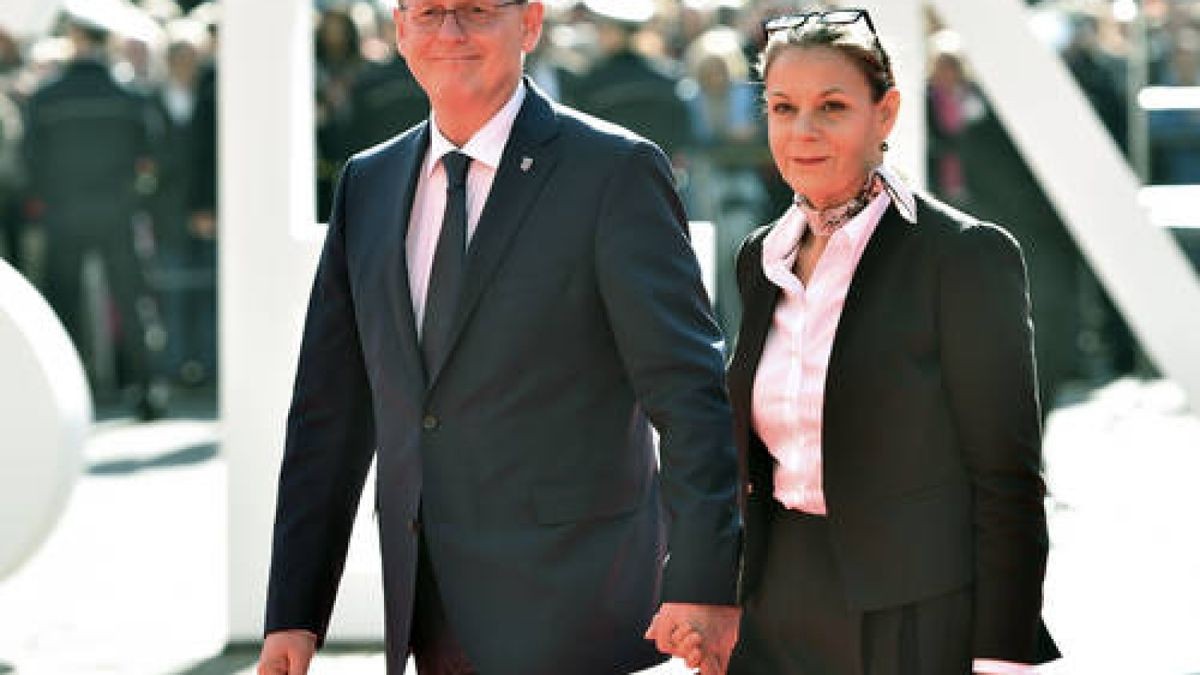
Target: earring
<point>884,146</point>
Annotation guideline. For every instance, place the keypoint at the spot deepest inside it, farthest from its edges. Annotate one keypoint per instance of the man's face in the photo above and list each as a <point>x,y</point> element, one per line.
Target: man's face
<point>459,63</point>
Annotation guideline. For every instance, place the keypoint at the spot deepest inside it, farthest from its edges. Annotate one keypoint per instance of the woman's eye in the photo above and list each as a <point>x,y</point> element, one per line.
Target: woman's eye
<point>833,106</point>
<point>782,108</point>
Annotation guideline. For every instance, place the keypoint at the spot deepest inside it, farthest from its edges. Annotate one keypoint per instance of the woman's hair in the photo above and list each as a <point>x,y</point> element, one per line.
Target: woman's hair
<point>853,41</point>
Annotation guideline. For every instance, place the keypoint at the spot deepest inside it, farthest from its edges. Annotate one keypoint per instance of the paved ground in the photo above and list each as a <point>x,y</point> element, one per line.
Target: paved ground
<point>131,582</point>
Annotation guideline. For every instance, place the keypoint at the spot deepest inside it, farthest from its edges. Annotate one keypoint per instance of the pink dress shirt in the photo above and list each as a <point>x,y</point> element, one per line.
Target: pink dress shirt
<point>789,385</point>
<point>429,202</point>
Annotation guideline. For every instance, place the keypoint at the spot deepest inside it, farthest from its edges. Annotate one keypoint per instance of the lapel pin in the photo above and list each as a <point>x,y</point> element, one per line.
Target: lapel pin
<point>526,163</point>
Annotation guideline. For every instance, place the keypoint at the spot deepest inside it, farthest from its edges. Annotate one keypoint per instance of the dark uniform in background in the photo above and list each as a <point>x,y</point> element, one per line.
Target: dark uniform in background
<point>631,90</point>
<point>87,139</point>
<point>385,101</point>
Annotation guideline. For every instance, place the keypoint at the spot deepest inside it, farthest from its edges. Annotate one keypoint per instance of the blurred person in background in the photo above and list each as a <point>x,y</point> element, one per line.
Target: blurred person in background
<point>1175,133</point>
<point>339,62</point>
<point>87,145</point>
<point>555,64</point>
<point>203,206</point>
<point>180,260</point>
<point>386,98</point>
<point>952,103</point>
<point>884,398</point>
<point>626,87</point>
<point>1003,189</point>
<point>1099,73</point>
<point>724,111</point>
<point>12,181</point>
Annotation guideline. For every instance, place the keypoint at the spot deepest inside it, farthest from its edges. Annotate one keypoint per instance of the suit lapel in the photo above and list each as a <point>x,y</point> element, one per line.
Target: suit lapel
<point>527,162</point>
<point>409,160</point>
<point>889,233</point>
<point>762,296</point>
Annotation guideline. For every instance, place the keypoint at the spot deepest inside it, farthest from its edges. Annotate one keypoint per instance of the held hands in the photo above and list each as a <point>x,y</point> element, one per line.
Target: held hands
<point>701,635</point>
<point>287,652</point>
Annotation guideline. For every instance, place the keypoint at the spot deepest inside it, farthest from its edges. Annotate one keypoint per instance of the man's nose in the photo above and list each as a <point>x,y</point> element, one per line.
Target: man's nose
<point>451,27</point>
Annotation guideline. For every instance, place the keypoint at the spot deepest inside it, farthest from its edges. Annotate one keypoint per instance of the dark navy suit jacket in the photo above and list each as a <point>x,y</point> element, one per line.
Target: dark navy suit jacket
<point>528,456</point>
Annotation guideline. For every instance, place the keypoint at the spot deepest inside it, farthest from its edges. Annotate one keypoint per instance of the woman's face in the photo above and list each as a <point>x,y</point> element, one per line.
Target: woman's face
<point>823,127</point>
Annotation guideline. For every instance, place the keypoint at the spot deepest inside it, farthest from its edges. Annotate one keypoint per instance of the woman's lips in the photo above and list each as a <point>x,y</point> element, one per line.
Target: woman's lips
<point>809,161</point>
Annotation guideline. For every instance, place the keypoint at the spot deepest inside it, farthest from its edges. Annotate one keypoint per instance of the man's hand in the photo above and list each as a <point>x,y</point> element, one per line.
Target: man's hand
<point>702,635</point>
<point>287,652</point>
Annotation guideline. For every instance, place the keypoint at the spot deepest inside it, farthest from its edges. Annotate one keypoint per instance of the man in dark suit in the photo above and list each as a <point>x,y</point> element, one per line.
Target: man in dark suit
<point>505,301</point>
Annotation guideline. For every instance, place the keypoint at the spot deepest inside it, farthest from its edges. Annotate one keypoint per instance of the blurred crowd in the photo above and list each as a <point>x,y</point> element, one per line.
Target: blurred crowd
<point>108,191</point>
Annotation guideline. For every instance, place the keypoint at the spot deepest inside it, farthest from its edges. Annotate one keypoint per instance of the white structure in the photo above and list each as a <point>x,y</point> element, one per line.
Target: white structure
<point>45,412</point>
<point>268,241</point>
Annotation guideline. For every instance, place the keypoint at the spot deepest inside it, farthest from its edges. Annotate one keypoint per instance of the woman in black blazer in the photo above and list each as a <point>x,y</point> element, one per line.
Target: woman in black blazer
<point>884,392</point>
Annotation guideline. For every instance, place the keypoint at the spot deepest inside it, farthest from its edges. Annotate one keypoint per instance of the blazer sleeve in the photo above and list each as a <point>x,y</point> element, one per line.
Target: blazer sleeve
<point>988,366</point>
<point>672,351</point>
<point>330,440</point>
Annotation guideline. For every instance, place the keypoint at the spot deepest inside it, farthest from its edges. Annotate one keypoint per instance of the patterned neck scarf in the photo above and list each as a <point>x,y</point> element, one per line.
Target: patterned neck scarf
<point>824,222</point>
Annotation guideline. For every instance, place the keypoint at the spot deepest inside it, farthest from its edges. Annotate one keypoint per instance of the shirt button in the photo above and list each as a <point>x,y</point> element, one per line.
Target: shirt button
<point>429,423</point>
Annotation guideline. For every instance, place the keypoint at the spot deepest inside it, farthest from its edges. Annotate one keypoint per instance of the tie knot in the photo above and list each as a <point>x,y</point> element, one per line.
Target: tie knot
<point>456,164</point>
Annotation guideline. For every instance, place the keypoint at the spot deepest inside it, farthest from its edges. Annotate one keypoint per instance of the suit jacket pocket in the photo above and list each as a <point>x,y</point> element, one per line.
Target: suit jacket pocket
<point>560,504</point>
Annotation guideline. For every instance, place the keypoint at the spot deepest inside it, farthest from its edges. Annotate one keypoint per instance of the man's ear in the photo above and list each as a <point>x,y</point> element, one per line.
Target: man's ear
<point>531,24</point>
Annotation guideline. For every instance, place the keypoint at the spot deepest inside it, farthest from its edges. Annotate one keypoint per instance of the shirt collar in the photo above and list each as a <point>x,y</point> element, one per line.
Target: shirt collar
<point>902,194</point>
<point>781,243</point>
<point>487,145</point>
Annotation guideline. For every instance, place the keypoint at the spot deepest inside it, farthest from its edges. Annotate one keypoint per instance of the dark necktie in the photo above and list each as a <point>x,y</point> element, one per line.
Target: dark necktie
<point>445,279</point>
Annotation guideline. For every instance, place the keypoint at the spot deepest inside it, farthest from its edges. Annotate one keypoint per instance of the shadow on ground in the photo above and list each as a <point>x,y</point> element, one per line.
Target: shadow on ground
<point>183,457</point>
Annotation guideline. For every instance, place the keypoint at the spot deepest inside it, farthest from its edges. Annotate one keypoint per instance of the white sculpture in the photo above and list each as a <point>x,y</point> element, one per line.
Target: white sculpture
<point>45,413</point>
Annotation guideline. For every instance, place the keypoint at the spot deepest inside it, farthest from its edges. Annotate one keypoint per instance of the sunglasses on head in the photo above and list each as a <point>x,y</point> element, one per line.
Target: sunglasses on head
<point>832,17</point>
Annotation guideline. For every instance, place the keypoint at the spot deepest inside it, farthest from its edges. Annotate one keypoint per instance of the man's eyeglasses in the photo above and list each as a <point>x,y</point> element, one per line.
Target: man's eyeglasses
<point>833,17</point>
<point>475,15</point>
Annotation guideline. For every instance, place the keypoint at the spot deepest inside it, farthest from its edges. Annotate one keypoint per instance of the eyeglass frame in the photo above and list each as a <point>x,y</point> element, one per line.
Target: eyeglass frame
<point>443,12</point>
<point>795,21</point>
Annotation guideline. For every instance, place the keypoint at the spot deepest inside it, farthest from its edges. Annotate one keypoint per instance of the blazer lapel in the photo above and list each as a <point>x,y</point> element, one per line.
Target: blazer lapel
<point>888,234</point>
<point>526,164</point>
<point>762,296</point>
<point>409,160</point>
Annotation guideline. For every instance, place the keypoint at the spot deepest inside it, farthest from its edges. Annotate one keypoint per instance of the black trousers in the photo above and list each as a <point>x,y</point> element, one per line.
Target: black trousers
<point>797,621</point>
<point>66,247</point>
<point>431,640</point>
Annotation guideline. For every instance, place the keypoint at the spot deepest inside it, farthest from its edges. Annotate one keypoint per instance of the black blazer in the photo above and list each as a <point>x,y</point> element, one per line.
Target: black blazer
<point>931,436</point>
<point>528,454</point>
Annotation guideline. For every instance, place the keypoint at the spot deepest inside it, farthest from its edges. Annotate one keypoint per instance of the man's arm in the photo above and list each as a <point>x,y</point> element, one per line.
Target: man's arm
<point>673,353</point>
<point>330,439</point>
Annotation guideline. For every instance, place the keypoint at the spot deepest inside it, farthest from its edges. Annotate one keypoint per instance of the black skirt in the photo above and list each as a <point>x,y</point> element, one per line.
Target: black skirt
<point>798,623</point>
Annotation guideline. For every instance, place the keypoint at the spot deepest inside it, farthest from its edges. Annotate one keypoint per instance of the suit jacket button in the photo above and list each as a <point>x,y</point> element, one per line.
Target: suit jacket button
<point>749,488</point>
<point>429,423</point>
<point>414,526</point>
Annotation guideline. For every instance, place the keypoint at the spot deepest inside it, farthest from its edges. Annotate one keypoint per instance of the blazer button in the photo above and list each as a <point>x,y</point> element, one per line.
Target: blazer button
<point>749,488</point>
<point>429,423</point>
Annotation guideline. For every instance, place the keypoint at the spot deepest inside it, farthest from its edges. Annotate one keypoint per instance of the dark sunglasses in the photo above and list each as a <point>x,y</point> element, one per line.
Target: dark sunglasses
<point>833,17</point>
